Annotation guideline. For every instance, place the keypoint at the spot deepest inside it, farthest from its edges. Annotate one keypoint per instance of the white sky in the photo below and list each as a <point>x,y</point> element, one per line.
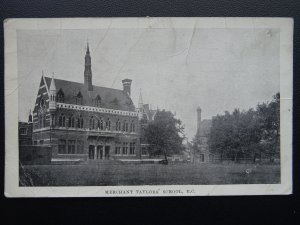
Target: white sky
<point>177,69</point>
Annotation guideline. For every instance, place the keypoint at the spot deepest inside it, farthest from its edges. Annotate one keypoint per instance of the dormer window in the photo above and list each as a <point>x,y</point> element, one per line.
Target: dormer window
<point>60,96</point>
<point>79,98</point>
<point>98,101</point>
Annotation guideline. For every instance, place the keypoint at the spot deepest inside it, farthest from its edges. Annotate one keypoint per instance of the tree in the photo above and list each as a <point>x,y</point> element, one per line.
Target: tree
<point>269,125</point>
<point>248,133</point>
<point>164,134</point>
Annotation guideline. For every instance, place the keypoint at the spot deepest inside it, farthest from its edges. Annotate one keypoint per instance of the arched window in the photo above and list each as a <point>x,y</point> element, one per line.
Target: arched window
<point>71,122</point>
<point>107,124</point>
<point>62,120</point>
<point>79,98</point>
<point>132,126</point>
<point>125,126</point>
<point>80,122</point>
<point>98,101</point>
<point>100,124</point>
<point>60,96</point>
<point>92,123</point>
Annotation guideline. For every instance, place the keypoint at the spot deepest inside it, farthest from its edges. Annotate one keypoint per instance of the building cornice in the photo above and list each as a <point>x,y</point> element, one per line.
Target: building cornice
<point>95,109</point>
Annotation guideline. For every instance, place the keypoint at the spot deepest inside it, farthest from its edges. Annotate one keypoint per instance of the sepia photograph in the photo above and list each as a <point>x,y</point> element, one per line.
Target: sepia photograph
<point>160,103</point>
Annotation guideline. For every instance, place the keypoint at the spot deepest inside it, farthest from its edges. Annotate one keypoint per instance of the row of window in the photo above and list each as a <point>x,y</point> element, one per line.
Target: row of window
<point>122,148</point>
<point>70,147</point>
<point>77,147</point>
<point>94,123</point>
<point>78,98</point>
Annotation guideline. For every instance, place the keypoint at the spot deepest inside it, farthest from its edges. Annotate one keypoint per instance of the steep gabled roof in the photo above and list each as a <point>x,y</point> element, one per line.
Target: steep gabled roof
<point>109,96</point>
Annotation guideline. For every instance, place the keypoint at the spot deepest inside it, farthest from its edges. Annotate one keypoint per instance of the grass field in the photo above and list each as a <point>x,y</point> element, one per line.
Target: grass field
<point>111,173</point>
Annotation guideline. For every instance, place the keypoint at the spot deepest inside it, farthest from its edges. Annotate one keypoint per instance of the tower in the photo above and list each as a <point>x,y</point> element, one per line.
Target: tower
<point>88,70</point>
<point>127,86</point>
<point>198,119</point>
<point>52,90</point>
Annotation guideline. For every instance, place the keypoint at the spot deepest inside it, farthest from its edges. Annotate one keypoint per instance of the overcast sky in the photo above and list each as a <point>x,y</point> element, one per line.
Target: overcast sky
<point>176,69</point>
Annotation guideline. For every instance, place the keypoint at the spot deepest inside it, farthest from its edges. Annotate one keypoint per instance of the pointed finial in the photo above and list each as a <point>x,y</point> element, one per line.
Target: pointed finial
<point>52,74</point>
<point>42,72</point>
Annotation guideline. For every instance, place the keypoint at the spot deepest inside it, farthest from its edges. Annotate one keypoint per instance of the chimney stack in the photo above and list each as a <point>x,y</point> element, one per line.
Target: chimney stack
<point>127,86</point>
<point>198,119</point>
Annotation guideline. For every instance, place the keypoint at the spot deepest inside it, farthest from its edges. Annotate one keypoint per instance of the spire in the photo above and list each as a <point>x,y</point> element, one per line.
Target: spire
<point>87,47</point>
<point>88,69</point>
<point>52,85</point>
<point>140,104</point>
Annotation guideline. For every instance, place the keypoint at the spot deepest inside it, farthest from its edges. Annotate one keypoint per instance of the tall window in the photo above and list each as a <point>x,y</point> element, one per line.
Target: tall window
<point>98,101</point>
<point>62,120</point>
<point>118,148</point>
<point>80,122</point>
<point>132,126</point>
<point>71,146</point>
<point>60,96</point>
<point>125,148</point>
<point>79,98</point>
<point>71,122</point>
<point>100,124</point>
<point>132,148</point>
<point>107,124</point>
<point>125,126</point>
<point>62,146</point>
<point>118,125</point>
<point>92,123</point>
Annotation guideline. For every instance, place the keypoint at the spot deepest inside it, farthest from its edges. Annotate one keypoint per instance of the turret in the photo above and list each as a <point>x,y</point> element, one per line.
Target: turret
<point>52,90</point>
<point>30,117</point>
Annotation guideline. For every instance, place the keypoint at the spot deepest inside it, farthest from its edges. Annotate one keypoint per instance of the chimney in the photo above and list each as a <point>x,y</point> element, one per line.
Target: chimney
<point>198,119</point>
<point>127,86</point>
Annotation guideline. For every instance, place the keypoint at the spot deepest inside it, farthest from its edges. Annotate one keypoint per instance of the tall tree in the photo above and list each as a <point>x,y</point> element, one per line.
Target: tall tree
<point>269,124</point>
<point>248,133</point>
<point>165,134</point>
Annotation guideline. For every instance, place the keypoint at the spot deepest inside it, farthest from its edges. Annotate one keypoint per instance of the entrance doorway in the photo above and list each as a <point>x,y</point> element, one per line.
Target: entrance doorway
<point>91,152</point>
<point>99,152</point>
<point>107,148</point>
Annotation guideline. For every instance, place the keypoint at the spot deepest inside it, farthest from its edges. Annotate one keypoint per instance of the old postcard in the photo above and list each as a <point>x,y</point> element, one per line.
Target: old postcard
<point>110,107</point>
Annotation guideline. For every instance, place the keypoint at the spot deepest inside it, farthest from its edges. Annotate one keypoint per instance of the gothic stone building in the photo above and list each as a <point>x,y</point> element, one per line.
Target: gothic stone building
<point>82,121</point>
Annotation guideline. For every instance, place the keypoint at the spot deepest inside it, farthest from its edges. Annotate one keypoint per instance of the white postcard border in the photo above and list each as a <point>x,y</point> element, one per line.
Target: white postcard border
<point>12,188</point>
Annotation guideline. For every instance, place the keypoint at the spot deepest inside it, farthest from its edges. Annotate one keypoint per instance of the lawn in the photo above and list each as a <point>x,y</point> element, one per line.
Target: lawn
<point>112,173</point>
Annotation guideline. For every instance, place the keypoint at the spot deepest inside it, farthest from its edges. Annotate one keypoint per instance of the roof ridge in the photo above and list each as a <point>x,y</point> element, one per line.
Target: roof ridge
<point>83,84</point>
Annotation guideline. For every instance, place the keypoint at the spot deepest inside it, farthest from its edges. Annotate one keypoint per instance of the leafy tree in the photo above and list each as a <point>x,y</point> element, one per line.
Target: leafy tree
<point>269,125</point>
<point>248,133</point>
<point>164,134</point>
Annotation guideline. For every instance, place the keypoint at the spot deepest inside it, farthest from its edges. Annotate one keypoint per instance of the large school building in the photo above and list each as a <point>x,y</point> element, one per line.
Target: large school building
<point>82,121</point>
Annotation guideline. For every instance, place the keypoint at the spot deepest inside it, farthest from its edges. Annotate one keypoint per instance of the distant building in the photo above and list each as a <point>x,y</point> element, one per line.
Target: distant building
<point>146,115</point>
<point>25,132</point>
